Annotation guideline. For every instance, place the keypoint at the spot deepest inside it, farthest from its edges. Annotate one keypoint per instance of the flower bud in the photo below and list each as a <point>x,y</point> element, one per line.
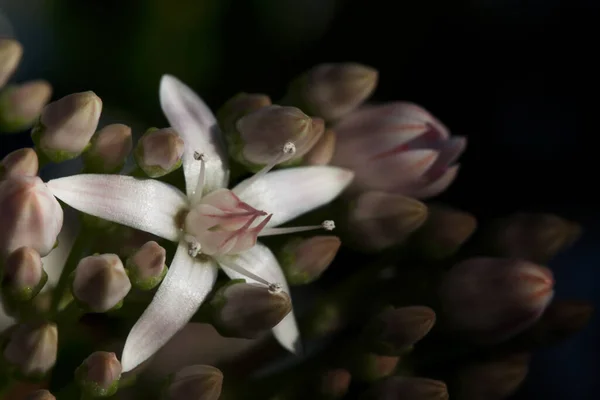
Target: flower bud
<point>395,330</point>
<point>11,52</point>
<point>100,282</point>
<point>304,260</point>
<point>534,237</point>
<point>493,380</point>
<point>146,267</point>
<point>322,151</point>
<point>30,216</point>
<point>237,107</point>
<point>197,382</point>
<point>332,90</point>
<point>24,276</point>
<point>264,132</point>
<point>19,162</point>
<point>32,348</point>
<point>99,374</point>
<point>109,149</point>
<point>21,105</point>
<point>444,232</point>
<point>246,310</point>
<point>492,299</point>
<point>371,367</point>
<point>409,388</point>
<point>67,125</point>
<point>159,152</point>
<point>335,383</point>
<point>379,220</point>
<point>40,395</point>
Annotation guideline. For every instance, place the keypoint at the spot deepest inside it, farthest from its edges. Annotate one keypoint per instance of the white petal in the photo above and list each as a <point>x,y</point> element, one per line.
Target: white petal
<point>187,284</point>
<point>144,204</point>
<point>260,261</point>
<point>198,128</point>
<point>55,261</point>
<point>5,320</point>
<point>291,192</point>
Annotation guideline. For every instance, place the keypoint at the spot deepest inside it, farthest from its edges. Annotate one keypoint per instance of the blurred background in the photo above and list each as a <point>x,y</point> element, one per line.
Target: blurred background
<point>517,77</point>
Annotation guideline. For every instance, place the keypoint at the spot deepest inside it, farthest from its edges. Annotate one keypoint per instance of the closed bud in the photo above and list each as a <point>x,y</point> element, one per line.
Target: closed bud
<point>196,382</point>
<point>146,267</point>
<point>19,162</point>
<point>444,231</point>
<point>371,367</point>
<point>264,132</point>
<point>409,388</point>
<point>335,384</point>
<point>32,348</point>
<point>322,151</point>
<point>11,52</point>
<point>492,299</point>
<point>109,149</point>
<point>159,152</point>
<point>379,220</point>
<point>100,282</point>
<point>24,276</point>
<point>30,216</point>
<point>398,148</point>
<point>332,90</point>
<point>237,107</point>
<point>534,237</point>
<point>21,105</point>
<point>99,375</point>
<point>67,125</point>
<point>304,260</point>
<point>40,395</point>
<point>395,330</point>
<point>246,310</point>
<point>492,380</point>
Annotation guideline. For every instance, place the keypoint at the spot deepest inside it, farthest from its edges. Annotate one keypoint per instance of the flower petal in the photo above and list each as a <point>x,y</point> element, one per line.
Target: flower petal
<point>144,204</point>
<point>187,284</point>
<point>55,261</point>
<point>288,193</point>
<point>260,261</point>
<point>198,128</point>
<point>437,186</point>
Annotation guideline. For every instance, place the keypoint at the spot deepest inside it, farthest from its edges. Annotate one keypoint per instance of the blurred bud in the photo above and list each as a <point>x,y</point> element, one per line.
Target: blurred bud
<point>40,395</point>
<point>146,267</point>
<point>399,148</point>
<point>100,282</point>
<point>159,152</point>
<point>21,105</point>
<point>371,367</point>
<point>492,380</point>
<point>409,388</point>
<point>19,162</point>
<point>444,231</point>
<point>237,107</point>
<point>246,310</point>
<point>99,374</point>
<point>24,276</point>
<point>396,330</point>
<point>30,216</point>
<point>11,52</point>
<point>32,348</point>
<point>304,260</point>
<point>322,151</point>
<point>379,220</point>
<point>493,299</point>
<point>196,382</point>
<point>534,237</point>
<point>264,132</point>
<point>67,125</point>
<point>332,90</point>
<point>335,383</point>
<point>109,149</point>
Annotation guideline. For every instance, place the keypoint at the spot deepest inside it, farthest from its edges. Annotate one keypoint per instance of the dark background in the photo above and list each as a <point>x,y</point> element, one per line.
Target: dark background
<point>518,78</point>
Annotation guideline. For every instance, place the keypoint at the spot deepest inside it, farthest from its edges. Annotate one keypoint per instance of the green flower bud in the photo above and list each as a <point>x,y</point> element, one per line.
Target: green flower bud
<point>322,152</point>
<point>31,349</point>
<point>21,105</point>
<point>19,162</point>
<point>40,395</point>
<point>24,276</point>
<point>99,374</point>
<point>11,52</point>
<point>159,152</point>
<point>238,106</point>
<point>196,382</point>
<point>304,260</point>
<point>146,267</point>
<point>412,388</point>
<point>109,149</point>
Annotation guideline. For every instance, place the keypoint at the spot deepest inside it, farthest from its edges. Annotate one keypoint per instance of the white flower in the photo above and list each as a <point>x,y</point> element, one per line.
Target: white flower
<point>213,226</point>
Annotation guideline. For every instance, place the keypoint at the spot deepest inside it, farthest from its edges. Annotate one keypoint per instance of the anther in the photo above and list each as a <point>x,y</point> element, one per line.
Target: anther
<point>198,156</point>
<point>328,225</point>
<point>275,288</point>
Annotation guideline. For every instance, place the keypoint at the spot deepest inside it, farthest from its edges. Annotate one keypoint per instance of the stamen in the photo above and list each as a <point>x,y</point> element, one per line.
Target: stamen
<point>200,185</point>
<point>275,288</point>
<point>328,225</point>
<point>243,271</point>
<point>193,245</point>
<point>288,149</point>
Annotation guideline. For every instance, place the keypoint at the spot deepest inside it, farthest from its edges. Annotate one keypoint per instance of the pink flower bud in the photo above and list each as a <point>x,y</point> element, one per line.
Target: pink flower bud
<point>19,162</point>
<point>11,52</point>
<point>147,266</point>
<point>493,299</point>
<point>30,216</point>
<point>238,106</point>
<point>40,395</point>
<point>322,152</point>
<point>304,260</point>
<point>32,348</point>
<point>99,374</point>
<point>21,105</point>
<point>335,383</point>
<point>199,382</point>
<point>24,276</point>
<point>109,149</point>
<point>159,152</point>
<point>398,147</point>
